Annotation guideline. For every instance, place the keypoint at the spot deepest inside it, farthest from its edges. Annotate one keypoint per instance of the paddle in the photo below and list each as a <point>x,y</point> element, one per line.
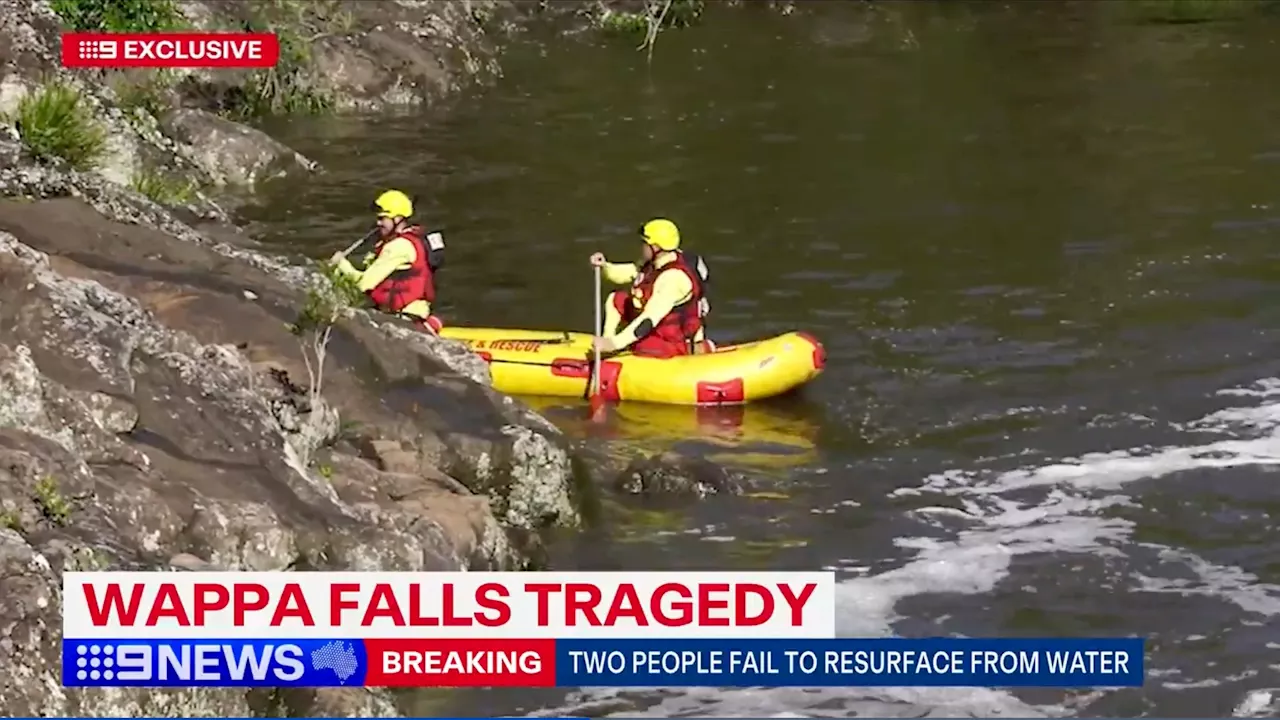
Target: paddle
<point>352,247</point>
<point>596,399</point>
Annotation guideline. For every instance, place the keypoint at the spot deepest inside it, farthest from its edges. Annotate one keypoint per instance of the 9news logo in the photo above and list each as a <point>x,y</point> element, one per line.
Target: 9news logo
<point>121,663</point>
<point>231,663</point>
<point>97,50</point>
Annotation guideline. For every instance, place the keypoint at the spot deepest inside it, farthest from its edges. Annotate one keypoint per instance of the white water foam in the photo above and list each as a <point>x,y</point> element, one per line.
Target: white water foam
<point>865,608</point>
<point>1068,518</point>
<point>995,529</point>
<point>1259,704</point>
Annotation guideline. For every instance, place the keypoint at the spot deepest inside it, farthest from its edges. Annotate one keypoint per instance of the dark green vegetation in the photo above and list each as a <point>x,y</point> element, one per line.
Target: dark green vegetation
<point>326,302</point>
<point>55,124</point>
<point>120,15</point>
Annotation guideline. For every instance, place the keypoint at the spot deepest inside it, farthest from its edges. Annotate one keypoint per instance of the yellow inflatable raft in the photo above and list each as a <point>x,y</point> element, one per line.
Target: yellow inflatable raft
<point>558,364</point>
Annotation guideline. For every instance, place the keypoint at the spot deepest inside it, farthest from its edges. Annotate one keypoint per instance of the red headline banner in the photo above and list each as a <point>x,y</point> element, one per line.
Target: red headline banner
<point>170,50</point>
<point>699,605</point>
<point>290,605</point>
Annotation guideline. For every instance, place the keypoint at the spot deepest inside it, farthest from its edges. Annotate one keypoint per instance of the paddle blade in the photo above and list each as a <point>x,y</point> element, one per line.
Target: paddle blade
<point>598,410</point>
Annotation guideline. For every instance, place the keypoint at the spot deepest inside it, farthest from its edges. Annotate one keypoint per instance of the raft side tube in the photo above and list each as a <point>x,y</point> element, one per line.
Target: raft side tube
<point>558,364</point>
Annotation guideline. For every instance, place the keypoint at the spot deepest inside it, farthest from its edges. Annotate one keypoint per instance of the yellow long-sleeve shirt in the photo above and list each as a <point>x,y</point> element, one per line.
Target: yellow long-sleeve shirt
<point>669,290</point>
<point>397,254</point>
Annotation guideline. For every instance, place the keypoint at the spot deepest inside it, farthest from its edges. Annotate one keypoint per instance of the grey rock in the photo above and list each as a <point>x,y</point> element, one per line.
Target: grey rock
<point>11,151</point>
<point>231,153</point>
<point>455,355</point>
<point>190,563</point>
<point>669,474</point>
<point>167,450</point>
<point>113,414</point>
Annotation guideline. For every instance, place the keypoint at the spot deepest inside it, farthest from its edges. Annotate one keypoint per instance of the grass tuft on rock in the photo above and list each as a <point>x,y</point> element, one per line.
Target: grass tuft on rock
<point>120,15</point>
<point>55,123</point>
<point>53,505</point>
<point>12,520</point>
<point>163,188</point>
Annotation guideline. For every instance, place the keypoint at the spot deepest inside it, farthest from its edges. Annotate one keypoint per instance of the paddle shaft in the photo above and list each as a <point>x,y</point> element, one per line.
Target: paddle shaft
<point>595,300</point>
<point>352,247</point>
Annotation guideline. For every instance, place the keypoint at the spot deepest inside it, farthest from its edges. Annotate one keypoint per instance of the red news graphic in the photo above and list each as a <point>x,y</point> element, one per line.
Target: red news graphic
<point>170,50</point>
<point>448,605</point>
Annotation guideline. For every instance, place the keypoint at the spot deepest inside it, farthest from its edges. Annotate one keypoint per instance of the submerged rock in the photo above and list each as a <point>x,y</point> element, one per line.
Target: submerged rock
<point>670,474</point>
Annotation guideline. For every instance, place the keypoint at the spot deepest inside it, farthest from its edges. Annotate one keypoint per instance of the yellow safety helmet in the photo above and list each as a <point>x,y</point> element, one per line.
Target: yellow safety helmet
<point>393,203</point>
<point>661,234</point>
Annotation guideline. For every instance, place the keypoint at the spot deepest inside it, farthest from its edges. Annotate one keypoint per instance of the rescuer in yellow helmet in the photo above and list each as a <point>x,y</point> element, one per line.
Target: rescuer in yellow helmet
<point>663,314</point>
<point>400,274</point>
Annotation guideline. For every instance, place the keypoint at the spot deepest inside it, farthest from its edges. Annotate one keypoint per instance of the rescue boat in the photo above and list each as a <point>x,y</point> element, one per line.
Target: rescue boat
<point>559,364</point>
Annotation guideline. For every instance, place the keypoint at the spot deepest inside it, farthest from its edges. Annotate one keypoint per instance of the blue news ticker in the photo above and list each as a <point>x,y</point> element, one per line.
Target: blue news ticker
<point>886,662</point>
<point>845,662</point>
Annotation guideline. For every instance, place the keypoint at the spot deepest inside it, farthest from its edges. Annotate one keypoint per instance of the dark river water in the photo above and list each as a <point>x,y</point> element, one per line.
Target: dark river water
<point>1040,243</point>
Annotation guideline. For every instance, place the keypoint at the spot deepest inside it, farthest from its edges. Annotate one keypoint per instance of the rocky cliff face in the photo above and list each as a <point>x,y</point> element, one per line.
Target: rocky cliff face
<point>153,408</point>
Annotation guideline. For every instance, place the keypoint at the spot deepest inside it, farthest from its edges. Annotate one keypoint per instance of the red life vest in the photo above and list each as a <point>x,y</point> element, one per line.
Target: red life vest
<point>679,328</point>
<point>416,282</point>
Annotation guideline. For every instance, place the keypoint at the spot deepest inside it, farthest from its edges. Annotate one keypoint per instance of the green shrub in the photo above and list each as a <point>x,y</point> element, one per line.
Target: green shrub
<point>624,23</point>
<point>11,520</point>
<point>657,16</point>
<point>53,505</point>
<point>328,299</point>
<point>281,91</point>
<point>54,123</point>
<point>285,88</point>
<point>119,15</point>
